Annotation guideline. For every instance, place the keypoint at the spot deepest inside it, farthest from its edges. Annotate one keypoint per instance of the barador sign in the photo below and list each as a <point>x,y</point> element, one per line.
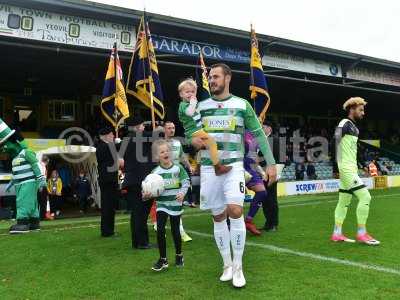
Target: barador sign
<point>190,48</point>
<point>40,25</point>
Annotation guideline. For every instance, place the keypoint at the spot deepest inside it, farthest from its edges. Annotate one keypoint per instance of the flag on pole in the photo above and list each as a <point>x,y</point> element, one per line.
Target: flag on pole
<point>143,79</point>
<point>258,83</point>
<point>114,105</point>
<point>203,89</point>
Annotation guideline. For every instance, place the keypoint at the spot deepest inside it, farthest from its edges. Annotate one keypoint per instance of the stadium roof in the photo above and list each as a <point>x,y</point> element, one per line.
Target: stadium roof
<point>110,12</point>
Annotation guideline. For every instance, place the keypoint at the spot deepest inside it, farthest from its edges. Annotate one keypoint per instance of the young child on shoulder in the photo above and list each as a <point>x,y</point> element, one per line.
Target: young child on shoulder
<point>191,121</point>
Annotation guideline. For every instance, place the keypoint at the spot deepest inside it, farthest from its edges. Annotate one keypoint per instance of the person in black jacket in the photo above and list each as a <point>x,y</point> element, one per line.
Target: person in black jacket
<point>311,174</point>
<point>299,170</point>
<point>138,164</point>
<point>82,191</point>
<point>107,166</point>
<point>270,205</point>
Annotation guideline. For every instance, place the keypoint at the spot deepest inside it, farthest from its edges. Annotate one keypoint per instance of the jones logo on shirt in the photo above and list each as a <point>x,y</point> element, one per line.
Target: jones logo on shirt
<point>219,123</point>
<point>171,183</point>
<point>18,161</point>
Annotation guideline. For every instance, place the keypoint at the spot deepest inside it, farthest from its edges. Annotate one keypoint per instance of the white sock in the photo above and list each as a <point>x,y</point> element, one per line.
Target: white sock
<point>238,239</point>
<point>182,231</point>
<point>361,230</point>
<point>337,229</point>
<point>222,238</point>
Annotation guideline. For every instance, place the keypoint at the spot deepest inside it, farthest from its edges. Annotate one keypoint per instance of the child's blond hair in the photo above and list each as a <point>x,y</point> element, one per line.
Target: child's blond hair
<point>156,145</point>
<point>188,81</point>
<point>354,101</point>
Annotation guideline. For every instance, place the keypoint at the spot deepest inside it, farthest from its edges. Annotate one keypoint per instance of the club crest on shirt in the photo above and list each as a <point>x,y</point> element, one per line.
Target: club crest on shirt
<point>232,111</point>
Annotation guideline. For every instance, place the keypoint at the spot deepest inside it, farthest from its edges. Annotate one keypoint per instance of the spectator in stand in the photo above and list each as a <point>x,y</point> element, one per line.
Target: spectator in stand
<point>373,170</point>
<point>82,191</point>
<point>287,161</point>
<point>42,197</point>
<point>299,170</point>
<point>369,155</point>
<point>64,172</point>
<point>54,188</point>
<point>384,169</point>
<point>311,174</point>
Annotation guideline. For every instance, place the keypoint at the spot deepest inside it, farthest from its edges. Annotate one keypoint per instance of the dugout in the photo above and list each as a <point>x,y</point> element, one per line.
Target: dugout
<point>76,158</point>
<point>54,81</point>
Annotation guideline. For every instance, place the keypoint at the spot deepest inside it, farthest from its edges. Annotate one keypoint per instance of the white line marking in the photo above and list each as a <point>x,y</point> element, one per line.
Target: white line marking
<point>53,227</point>
<point>311,255</point>
<point>306,204</point>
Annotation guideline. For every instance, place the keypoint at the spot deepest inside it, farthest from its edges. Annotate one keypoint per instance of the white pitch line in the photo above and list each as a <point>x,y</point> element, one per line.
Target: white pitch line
<point>55,228</point>
<point>306,204</point>
<point>311,255</point>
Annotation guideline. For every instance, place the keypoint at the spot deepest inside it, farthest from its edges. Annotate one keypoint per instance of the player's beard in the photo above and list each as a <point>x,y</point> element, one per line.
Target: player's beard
<point>217,90</point>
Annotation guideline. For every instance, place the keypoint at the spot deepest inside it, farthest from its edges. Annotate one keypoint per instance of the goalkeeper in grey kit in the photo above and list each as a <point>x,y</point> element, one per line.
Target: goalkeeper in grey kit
<point>169,203</point>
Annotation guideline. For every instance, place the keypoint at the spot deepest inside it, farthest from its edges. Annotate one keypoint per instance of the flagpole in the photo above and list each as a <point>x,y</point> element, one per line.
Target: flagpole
<point>115,82</point>
<point>251,71</point>
<point>153,118</point>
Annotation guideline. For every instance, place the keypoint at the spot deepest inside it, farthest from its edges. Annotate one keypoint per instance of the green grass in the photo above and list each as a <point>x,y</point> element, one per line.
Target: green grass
<point>68,259</point>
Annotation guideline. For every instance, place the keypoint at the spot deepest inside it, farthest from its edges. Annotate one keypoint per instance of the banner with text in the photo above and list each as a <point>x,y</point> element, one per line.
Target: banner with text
<point>315,186</point>
<point>191,48</point>
<point>365,74</point>
<point>301,64</point>
<point>218,52</point>
<point>41,25</point>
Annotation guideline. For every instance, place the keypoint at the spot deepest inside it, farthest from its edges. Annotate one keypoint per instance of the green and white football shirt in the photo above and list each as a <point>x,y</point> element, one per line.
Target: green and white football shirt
<point>176,150</point>
<point>226,120</point>
<point>176,180</point>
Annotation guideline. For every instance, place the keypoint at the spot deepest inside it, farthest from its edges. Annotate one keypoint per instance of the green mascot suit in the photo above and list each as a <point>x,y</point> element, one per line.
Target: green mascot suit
<point>27,179</point>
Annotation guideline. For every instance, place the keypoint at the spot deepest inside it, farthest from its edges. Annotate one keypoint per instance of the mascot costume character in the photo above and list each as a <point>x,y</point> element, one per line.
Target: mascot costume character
<point>27,179</point>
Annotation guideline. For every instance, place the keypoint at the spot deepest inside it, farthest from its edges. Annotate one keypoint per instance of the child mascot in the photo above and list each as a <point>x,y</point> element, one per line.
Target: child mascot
<point>26,179</point>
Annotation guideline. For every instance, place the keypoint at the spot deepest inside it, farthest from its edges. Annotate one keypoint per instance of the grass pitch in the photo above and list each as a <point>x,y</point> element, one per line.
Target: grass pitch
<point>69,259</point>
